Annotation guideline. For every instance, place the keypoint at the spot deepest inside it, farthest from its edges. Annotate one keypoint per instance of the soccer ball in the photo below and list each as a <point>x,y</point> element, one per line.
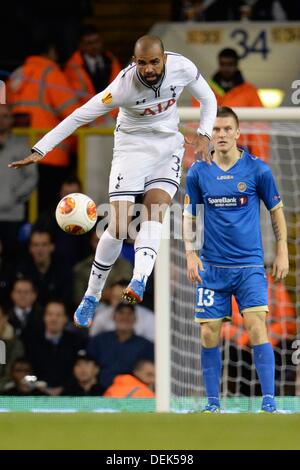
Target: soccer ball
<point>76,213</point>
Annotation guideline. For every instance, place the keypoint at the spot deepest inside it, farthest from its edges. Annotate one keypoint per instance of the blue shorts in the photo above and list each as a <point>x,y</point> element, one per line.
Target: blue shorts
<point>213,297</point>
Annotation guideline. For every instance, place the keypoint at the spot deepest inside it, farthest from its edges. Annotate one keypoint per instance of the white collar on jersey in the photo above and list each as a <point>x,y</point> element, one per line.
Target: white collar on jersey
<point>155,87</point>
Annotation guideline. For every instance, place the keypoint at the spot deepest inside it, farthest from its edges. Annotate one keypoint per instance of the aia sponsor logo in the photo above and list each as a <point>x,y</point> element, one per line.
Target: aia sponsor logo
<point>160,108</point>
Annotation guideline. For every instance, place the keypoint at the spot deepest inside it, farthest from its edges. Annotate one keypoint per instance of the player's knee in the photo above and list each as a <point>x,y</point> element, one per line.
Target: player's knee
<point>257,330</point>
<point>118,231</point>
<point>209,335</point>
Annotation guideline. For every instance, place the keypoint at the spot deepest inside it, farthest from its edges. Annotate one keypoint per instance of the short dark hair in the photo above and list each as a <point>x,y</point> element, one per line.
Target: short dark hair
<point>229,53</point>
<point>122,305</point>
<point>120,282</point>
<point>140,363</point>
<point>20,360</point>
<point>88,30</point>
<point>55,300</point>
<point>40,230</point>
<point>225,111</point>
<point>83,355</point>
<point>71,179</point>
<point>3,310</point>
<point>24,279</point>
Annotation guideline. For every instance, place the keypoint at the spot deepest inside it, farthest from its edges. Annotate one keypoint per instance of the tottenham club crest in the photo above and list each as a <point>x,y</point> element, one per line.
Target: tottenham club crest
<point>119,179</point>
<point>242,187</point>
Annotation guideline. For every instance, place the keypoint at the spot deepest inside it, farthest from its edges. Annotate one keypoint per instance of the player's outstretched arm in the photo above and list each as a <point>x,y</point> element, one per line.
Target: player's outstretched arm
<point>97,106</point>
<point>32,158</point>
<point>281,261</point>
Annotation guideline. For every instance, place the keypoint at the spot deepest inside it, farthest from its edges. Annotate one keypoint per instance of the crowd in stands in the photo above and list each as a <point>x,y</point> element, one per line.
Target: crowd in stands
<point>43,271</point>
<point>235,10</point>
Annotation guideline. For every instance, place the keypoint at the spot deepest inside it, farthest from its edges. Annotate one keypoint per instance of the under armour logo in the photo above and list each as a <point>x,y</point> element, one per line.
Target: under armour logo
<point>172,88</point>
<point>141,102</point>
<point>148,254</point>
<point>119,178</point>
<point>95,274</point>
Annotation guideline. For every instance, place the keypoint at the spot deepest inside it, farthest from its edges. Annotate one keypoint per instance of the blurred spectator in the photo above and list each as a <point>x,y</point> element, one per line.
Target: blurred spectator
<point>104,319</point>
<point>234,10</point>
<point>25,315</point>
<point>232,90</point>
<point>53,352</point>
<point>16,187</point>
<point>13,346</point>
<point>229,85</point>
<point>71,249</point>
<point>201,10</point>
<point>41,97</point>
<point>91,68</point>
<point>116,352</point>
<point>49,275</point>
<point>85,372</point>
<point>122,269</point>
<point>22,383</point>
<point>268,10</point>
<point>5,275</point>
<point>139,384</point>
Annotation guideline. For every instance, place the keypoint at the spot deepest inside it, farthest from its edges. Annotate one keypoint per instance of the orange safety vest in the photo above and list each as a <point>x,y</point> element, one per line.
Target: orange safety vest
<point>244,95</point>
<point>281,317</point>
<point>80,80</point>
<point>128,386</point>
<point>40,89</point>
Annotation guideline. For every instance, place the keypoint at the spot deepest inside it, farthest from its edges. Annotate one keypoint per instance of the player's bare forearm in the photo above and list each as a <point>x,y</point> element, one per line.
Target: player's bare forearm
<point>194,263</point>
<point>32,158</point>
<point>281,262</point>
<point>279,228</point>
<point>202,148</point>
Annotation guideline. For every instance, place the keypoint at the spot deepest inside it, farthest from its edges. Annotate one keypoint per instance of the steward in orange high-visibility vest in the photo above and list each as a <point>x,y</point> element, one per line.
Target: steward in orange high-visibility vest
<point>90,69</point>
<point>232,90</point>
<point>40,90</point>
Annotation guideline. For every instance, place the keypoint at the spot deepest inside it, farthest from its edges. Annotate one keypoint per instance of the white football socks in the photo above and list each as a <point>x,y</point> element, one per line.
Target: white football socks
<point>107,252</point>
<point>146,248</point>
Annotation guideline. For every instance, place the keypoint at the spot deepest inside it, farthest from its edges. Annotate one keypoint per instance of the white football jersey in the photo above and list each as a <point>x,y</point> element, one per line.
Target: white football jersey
<point>143,107</point>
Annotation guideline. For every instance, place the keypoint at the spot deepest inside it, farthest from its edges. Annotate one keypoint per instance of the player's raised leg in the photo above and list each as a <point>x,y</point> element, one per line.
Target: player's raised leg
<point>156,202</point>
<point>211,363</point>
<point>108,250</point>
<point>255,323</point>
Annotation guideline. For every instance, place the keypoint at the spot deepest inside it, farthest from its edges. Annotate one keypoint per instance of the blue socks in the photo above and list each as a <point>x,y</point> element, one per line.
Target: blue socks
<point>265,366</point>
<point>211,368</point>
<point>264,363</point>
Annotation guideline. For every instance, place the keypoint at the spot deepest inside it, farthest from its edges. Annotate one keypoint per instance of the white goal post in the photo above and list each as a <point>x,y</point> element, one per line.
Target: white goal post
<point>289,116</point>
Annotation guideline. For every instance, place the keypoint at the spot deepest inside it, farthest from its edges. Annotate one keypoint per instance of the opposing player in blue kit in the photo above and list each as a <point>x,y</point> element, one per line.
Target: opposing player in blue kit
<point>232,262</point>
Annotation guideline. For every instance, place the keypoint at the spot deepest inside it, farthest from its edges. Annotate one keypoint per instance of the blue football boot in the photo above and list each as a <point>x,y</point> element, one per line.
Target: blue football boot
<point>268,405</point>
<point>134,292</point>
<point>211,408</point>
<point>85,312</point>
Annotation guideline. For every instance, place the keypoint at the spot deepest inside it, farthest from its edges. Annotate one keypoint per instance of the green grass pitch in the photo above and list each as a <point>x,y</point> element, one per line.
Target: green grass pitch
<point>149,431</point>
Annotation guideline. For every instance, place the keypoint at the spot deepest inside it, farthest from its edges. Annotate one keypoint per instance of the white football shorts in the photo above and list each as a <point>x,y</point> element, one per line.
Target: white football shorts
<point>143,162</point>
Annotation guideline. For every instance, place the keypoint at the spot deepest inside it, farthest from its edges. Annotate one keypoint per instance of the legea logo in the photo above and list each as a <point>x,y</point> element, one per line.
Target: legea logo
<point>2,352</point>
<point>2,93</point>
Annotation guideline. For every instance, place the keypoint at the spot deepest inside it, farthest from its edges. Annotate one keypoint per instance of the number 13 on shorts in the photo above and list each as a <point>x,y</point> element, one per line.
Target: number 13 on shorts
<point>205,297</point>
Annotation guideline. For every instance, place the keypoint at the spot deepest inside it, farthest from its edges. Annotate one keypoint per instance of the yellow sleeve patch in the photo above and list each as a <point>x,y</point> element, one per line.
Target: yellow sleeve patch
<point>186,200</point>
<point>107,99</point>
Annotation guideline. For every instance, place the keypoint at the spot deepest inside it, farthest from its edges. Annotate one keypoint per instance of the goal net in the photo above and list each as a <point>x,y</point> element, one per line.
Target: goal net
<point>278,142</point>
